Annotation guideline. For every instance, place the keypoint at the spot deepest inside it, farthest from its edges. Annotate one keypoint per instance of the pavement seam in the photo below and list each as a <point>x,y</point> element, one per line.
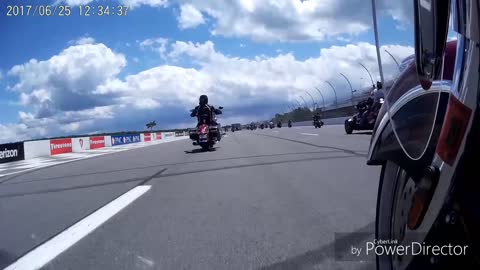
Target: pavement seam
<point>169,164</point>
<point>315,145</point>
<point>252,165</point>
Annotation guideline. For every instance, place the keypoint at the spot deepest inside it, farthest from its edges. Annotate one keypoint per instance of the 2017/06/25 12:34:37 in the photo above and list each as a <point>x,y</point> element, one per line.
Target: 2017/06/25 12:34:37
<point>87,10</point>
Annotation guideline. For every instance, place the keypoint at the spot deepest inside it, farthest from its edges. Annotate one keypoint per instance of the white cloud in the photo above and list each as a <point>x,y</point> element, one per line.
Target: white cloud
<point>189,17</point>
<point>294,20</point>
<point>158,45</point>
<point>85,40</point>
<point>74,90</point>
<point>264,79</point>
<point>74,2</point>
<point>130,3</point>
<point>61,88</point>
<point>152,3</point>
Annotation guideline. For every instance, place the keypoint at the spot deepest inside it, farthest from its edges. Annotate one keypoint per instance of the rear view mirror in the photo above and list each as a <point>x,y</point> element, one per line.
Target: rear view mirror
<point>220,108</point>
<point>431,29</point>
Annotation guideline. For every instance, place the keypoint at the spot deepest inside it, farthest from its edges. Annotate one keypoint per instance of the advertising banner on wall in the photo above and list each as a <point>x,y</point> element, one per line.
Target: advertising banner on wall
<point>147,136</point>
<point>167,135</point>
<point>159,135</point>
<point>125,139</point>
<point>11,152</point>
<point>97,142</point>
<point>60,146</point>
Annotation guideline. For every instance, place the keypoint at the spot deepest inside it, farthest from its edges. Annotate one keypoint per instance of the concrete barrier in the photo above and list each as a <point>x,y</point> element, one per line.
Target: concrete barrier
<point>80,144</point>
<point>168,135</point>
<point>97,142</point>
<point>35,149</point>
<point>108,141</point>
<point>60,146</point>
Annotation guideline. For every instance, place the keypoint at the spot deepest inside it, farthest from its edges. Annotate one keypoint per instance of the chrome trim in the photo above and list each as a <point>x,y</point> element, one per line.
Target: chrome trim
<point>437,87</point>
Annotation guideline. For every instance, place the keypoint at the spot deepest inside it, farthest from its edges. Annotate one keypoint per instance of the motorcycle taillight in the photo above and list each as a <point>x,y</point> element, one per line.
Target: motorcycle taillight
<point>203,129</point>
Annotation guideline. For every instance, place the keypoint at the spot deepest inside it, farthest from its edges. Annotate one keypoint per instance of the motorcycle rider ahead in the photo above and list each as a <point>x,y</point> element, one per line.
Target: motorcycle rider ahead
<point>204,108</point>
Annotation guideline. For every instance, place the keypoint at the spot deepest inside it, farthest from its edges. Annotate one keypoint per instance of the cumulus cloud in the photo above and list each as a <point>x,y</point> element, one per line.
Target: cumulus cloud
<point>65,83</point>
<point>152,3</point>
<point>74,2</point>
<point>260,81</point>
<point>158,45</point>
<point>294,20</point>
<point>189,17</point>
<point>79,90</point>
<point>130,3</point>
<point>84,40</point>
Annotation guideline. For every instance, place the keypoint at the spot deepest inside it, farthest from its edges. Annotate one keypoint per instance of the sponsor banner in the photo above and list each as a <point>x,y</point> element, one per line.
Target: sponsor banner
<point>11,152</point>
<point>178,133</point>
<point>147,137</point>
<point>60,146</point>
<point>97,142</point>
<point>35,149</point>
<point>108,141</point>
<point>167,135</point>
<point>125,139</point>
<point>80,144</point>
<point>159,135</point>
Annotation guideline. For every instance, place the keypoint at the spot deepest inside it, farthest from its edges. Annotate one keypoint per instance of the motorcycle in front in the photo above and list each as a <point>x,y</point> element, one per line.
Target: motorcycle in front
<point>207,133</point>
<point>365,118</point>
<point>289,123</point>
<point>426,140</point>
<point>279,124</point>
<point>317,123</point>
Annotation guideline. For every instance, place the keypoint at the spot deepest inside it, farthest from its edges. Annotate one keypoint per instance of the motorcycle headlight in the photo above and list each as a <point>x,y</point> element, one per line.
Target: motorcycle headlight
<point>350,120</point>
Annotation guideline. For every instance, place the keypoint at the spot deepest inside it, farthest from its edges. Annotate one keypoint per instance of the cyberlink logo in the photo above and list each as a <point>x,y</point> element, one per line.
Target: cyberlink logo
<point>8,153</point>
<point>391,247</point>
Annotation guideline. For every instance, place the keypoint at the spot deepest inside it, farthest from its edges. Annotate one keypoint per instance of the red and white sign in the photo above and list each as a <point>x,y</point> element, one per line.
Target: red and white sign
<point>60,146</point>
<point>147,137</point>
<point>97,142</point>
<point>159,135</point>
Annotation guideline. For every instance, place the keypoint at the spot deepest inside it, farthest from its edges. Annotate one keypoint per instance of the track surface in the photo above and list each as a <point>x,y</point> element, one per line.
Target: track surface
<point>265,199</point>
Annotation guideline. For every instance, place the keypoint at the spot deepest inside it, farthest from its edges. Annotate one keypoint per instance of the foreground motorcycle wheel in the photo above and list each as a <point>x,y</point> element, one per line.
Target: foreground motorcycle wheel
<point>348,127</point>
<point>394,199</point>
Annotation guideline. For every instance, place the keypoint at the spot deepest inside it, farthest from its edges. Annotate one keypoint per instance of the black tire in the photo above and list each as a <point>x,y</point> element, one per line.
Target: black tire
<point>393,193</point>
<point>348,127</point>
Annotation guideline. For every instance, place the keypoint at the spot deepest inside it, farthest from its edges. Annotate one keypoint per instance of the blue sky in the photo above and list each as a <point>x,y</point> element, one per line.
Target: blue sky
<point>114,73</point>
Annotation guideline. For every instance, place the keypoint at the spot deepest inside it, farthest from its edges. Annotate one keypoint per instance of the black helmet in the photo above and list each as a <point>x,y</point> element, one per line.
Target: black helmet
<point>203,100</point>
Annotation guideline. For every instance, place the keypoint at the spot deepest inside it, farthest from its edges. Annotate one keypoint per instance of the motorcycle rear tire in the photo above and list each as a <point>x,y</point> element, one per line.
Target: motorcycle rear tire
<point>348,127</point>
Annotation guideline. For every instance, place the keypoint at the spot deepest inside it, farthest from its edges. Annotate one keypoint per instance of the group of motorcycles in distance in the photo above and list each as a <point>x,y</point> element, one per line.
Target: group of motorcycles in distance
<point>208,131</point>
<point>271,125</point>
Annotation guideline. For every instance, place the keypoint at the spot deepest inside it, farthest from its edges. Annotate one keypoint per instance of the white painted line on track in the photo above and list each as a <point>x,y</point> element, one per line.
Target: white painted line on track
<point>41,255</point>
<point>309,134</point>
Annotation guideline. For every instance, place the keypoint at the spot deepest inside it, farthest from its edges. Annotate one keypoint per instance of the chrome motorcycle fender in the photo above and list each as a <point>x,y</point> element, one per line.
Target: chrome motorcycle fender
<point>386,146</point>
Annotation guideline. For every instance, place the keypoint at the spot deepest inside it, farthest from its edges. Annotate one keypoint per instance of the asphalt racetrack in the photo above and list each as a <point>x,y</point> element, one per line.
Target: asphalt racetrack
<point>264,199</point>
